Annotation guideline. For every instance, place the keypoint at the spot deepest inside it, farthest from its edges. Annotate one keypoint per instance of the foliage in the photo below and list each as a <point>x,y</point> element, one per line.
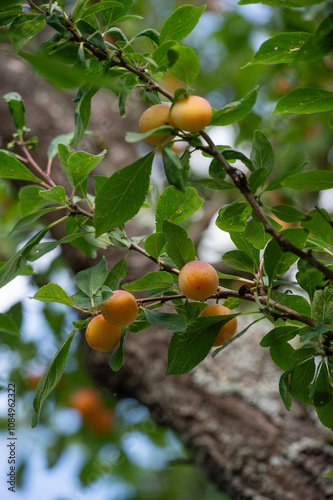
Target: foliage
<point>90,51</point>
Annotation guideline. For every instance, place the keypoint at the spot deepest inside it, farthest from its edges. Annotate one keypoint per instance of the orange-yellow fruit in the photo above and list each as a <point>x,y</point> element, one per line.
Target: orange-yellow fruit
<point>102,421</point>
<point>154,117</point>
<point>228,330</point>
<point>101,335</point>
<point>192,114</point>
<point>121,309</point>
<point>198,280</point>
<point>86,400</point>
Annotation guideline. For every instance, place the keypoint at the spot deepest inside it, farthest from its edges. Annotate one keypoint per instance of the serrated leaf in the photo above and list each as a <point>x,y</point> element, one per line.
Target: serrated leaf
<point>322,305</point>
<point>262,155</point>
<point>305,101</point>
<point>53,293</point>
<point>117,273</point>
<point>90,280</point>
<point>234,111</point>
<point>281,354</point>
<point>7,325</point>
<point>242,243</point>
<point>184,64</point>
<point>279,335</point>
<point>160,55</point>
<point>239,260</point>
<point>117,358</point>
<point>318,227</point>
<point>281,48</point>
<point>115,14</point>
<point>56,194</point>
<point>154,244</point>
<point>81,300</point>
<point>310,181</point>
<point>174,169</point>
<point>150,33</point>
<point>173,322</point>
<point>112,201</point>
<point>187,349</point>
<point>176,206</point>
<point>79,165</point>
<point>277,262</point>
<point>51,377</point>
<point>233,217</point>
<point>105,5</point>
<point>12,168</point>
<point>151,281</point>
<point>16,108</point>
<point>178,245</point>
<point>319,44</point>
<point>255,233</point>
<point>302,376</point>
<point>180,23</point>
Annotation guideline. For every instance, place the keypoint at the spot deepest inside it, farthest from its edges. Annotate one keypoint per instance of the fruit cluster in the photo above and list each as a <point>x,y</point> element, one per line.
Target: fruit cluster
<point>198,280</point>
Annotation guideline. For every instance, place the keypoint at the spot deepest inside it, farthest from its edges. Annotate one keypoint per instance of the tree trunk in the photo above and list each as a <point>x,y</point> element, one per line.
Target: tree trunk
<point>227,411</point>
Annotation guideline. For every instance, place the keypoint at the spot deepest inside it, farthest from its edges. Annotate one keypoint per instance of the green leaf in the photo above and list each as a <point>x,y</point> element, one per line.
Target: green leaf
<point>234,111</point>
<point>187,349</point>
<point>16,264</point>
<point>262,155</point>
<point>242,243</point>
<point>302,376</point>
<point>233,217</point>
<point>11,168</point>
<point>180,23</point>
<point>323,398</point>
<point>105,5</point>
<point>174,169</point>
<point>29,220</point>
<point>7,325</point>
<point>122,195</point>
<point>160,55</point>
<point>305,101</point>
<point>281,354</point>
<point>308,277</point>
<point>57,194</point>
<point>285,390</point>
<point>117,358</point>
<point>53,293</point>
<point>89,31</point>
<point>255,233</point>
<point>318,227</point>
<point>178,245</point>
<point>30,200</point>
<point>64,139</point>
<point>281,48</point>
<point>151,281</point>
<point>82,113</point>
<point>154,244</point>
<point>117,273</point>
<point>119,239</point>
<point>173,322</point>
<point>288,213</point>
<point>319,44</point>
<point>279,335</point>
<point>176,206</point>
<point>136,136</point>
<point>79,165</point>
<point>310,181</point>
<point>51,377</point>
<point>239,260</point>
<point>23,28</point>
<point>150,33</point>
<point>322,305</point>
<point>184,64</point>
<point>42,249</point>
<point>16,108</point>
<point>90,280</point>
<point>116,13</point>
<point>277,262</point>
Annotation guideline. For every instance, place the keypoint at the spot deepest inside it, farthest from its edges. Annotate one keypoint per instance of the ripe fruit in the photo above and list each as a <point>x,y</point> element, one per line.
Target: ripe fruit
<point>101,335</point>
<point>121,309</point>
<point>154,117</point>
<point>102,421</point>
<point>228,330</point>
<point>86,400</point>
<point>198,280</point>
<point>192,114</point>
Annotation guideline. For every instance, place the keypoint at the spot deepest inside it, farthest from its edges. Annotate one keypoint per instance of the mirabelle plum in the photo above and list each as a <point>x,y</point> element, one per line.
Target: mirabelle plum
<point>86,400</point>
<point>102,421</point>
<point>228,330</point>
<point>192,114</point>
<point>198,280</point>
<point>101,335</point>
<point>121,309</point>
<point>154,117</point>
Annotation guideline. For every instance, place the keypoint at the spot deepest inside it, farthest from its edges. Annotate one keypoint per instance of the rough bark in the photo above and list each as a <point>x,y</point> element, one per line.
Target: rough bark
<point>227,411</point>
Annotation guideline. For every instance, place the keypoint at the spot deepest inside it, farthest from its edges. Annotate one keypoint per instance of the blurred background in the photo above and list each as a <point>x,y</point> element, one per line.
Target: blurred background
<point>90,444</point>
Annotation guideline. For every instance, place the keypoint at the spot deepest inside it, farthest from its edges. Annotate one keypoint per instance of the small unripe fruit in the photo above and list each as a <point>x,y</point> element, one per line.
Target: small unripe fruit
<point>228,330</point>
<point>198,280</point>
<point>192,114</point>
<point>121,309</point>
<point>101,335</point>
<point>155,117</point>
